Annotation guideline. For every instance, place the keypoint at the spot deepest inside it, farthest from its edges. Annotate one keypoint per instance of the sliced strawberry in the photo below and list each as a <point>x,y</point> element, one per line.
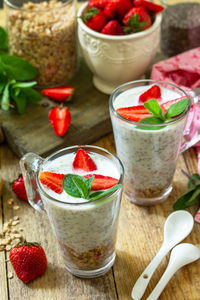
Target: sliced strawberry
<point>102,182</point>
<point>83,161</point>
<point>59,93</point>
<point>134,113</point>
<point>167,104</point>
<point>148,5</point>
<point>153,93</point>
<point>54,181</point>
<point>60,119</point>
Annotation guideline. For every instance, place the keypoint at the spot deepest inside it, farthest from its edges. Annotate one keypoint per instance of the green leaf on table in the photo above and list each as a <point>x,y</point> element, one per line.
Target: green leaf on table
<point>177,108</point>
<point>194,181</point>
<point>3,82</point>
<point>187,199</point>
<point>77,186</point>
<point>100,194</point>
<point>20,100</point>
<point>5,100</point>
<point>150,121</point>
<point>24,84</point>
<point>154,108</point>
<point>3,39</point>
<point>17,68</point>
<point>32,95</point>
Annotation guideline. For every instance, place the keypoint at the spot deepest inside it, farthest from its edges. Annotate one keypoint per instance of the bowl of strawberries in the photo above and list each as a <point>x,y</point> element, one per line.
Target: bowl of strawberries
<point>118,39</point>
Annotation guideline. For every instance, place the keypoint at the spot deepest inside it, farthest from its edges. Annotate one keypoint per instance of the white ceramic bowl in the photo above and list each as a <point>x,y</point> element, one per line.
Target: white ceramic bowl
<point>117,59</point>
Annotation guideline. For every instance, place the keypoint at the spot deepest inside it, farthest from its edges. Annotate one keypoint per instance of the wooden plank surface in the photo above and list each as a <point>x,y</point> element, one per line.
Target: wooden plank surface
<point>140,236</point>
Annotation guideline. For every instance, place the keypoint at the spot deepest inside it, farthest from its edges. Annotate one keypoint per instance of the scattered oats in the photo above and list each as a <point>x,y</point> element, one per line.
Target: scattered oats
<point>10,222</point>
<point>1,248</point>
<point>10,201</point>
<point>14,231</point>
<point>1,234</point>
<point>5,242</point>
<point>16,218</point>
<point>6,230</point>
<point>21,229</point>
<point>12,238</point>
<point>16,242</point>
<point>8,247</point>
<point>14,223</point>
<point>15,207</point>
<point>18,236</point>
<point>10,275</point>
<point>1,187</point>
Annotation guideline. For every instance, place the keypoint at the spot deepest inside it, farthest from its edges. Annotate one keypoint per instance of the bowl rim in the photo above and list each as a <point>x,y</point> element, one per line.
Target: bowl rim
<point>118,37</point>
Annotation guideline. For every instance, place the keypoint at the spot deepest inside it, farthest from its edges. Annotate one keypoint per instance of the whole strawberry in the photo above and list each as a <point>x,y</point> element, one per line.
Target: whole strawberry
<point>94,18</point>
<point>19,188</point>
<point>136,19</point>
<point>113,28</point>
<point>28,260</point>
<point>97,3</point>
<point>117,8</point>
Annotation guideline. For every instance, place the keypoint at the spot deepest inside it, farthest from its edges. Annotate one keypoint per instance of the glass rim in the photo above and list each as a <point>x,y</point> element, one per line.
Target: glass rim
<point>113,97</point>
<point>13,6</point>
<point>75,147</point>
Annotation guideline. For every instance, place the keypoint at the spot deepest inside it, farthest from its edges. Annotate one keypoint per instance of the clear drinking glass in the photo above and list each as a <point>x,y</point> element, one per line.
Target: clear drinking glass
<point>44,33</point>
<point>86,232</point>
<point>149,156</point>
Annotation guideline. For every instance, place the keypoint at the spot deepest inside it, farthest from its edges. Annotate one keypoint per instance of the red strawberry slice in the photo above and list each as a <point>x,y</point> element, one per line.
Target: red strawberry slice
<point>134,113</point>
<point>113,28</point>
<point>60,119</point>
<point>83,161</point>
<point>54,181</point>
<point>167,104</point>
<point>149,5</point>
<point>102,182</point>
<point>59,93</point>
<point>153,93</point>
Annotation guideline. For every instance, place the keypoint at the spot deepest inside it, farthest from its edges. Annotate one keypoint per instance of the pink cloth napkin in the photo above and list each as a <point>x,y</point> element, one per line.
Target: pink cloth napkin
<point>184,71</point>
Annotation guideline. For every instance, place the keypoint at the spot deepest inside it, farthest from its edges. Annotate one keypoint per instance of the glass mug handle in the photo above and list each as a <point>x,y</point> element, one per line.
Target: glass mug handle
<point>192,134</point>
<point>30,164</point>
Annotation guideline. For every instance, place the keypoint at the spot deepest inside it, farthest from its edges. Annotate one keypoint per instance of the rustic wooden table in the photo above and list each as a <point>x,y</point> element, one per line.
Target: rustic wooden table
<point>140,236</point>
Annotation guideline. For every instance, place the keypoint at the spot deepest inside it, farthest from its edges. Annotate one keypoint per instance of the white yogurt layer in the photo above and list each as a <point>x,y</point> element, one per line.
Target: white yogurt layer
<point>149,156</point>
<point>64,165</point>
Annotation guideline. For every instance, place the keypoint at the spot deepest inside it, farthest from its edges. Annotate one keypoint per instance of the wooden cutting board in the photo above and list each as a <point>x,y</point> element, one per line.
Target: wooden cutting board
<point>32,132</point>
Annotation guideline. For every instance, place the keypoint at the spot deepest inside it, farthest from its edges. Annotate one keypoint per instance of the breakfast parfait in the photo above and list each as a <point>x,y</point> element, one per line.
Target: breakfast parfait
<point>81,192</point>
<point>148,123</point>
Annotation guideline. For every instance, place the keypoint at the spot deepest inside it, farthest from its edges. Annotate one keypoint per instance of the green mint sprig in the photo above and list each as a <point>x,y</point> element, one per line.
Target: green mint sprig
<point>158,116</point>
<point>192,196</point>
<point>13,72</point>
<point>80,187</point>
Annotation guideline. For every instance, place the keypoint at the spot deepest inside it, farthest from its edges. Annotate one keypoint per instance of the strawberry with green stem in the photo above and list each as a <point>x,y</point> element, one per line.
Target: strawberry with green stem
<point>113,27</point>
<point>116,9</point>
<point>136,19</point>
<point>94,18</point>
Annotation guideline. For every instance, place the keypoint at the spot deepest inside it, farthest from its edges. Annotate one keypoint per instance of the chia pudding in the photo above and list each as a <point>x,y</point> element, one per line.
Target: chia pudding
<point>86,230</point>
<point>149,156</point>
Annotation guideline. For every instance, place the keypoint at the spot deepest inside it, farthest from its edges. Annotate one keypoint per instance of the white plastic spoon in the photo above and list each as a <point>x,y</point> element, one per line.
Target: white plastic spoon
<point>181,255</point>
<point>178,225</point>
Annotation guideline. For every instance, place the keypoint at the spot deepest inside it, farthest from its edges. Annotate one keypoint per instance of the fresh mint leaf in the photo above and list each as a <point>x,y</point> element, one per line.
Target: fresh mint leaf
<point>24,84</point>
<point>5,101</point>
<point>20,101</point>
<point>32,95</point>
<point>81,186</point>
<point>149,121</point>
<point>77,186</point>
<point>17,68</point>
<point>194,181</point>
<point>187,199</point>
<point>3,39</point>
<point>154,108</point>
<point>3,82</point>
<point>97,195</point>
<point>177,108</point>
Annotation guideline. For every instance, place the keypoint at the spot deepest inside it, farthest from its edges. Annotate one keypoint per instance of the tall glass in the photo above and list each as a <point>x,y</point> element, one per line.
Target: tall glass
<point>86,231</point>
<point>149,156</point>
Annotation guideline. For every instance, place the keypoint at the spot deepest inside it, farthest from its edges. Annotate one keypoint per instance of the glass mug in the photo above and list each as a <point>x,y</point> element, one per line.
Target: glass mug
<point>149,156</point>
<point>86,231</point>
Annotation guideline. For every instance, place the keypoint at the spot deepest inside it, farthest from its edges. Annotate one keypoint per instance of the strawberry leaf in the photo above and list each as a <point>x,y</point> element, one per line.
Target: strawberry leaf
<point>91,12</point>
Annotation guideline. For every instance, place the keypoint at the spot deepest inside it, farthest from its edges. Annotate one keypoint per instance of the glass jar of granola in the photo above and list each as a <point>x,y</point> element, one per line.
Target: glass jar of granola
<point>44,33</point>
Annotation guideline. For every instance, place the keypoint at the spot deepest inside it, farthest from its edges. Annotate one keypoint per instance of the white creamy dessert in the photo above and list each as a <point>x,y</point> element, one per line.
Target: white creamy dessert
<point>85,230</point>
<point>149,156</point>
